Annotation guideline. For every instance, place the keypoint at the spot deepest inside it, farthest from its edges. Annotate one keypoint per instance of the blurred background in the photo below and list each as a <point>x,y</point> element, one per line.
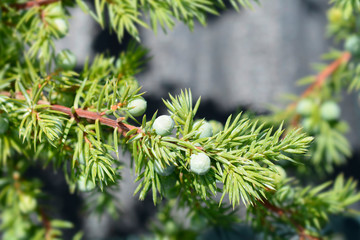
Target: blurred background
<point>240,60</point>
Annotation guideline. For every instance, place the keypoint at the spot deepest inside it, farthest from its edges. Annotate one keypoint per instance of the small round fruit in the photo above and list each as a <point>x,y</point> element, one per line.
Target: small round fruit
<point>352,45</point>
<point>27,203</point>
<point>205,129</point>
<point>199,163</point>
<point>163,125</point>
<point>16,175</point>
<point>307,124</point>
<point>310,126</point>
<point>216,126</point>
<point>330,111</point>
<point>65,60</point>
<point>61,26</point>
<point>170,227</point>
<point>305,107</point>
<point>54,10</point>
<point>137,107</point>
<point>4,125</point>
<point>164,171</point>
<point>335,15</point>
<point>85,185</point>
<point>82,159</point>
<point>280,175</point>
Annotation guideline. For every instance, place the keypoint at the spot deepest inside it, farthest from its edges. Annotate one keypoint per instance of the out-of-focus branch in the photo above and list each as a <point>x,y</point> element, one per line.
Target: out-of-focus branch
<point>300,229</point>
<point>47,224</point>
<point>320,80</point>
<point>33,3</point>
<point>323,75</point>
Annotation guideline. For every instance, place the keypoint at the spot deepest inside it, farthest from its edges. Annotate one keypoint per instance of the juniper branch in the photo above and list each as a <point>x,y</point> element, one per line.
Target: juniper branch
<point>33,3</point>
<point>301,230</point>
<point>320,80</point>
<point>328,71</point>
<point>123,128</point>
<point>47,224</point>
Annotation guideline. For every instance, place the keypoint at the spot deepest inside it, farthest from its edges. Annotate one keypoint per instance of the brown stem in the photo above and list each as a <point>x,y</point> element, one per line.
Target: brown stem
<point>328,71</point>
<point>33,3</point>
<point>300,229</point>
<point>80,113</point>
<point>324,74</point>
<point>46,223</point>
<point>320,80</point>
<point>271,207</point>
<point>123,128</point>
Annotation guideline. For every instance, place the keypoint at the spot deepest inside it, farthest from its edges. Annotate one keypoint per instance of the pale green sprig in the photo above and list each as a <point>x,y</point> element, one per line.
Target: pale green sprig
<point>242,154</point>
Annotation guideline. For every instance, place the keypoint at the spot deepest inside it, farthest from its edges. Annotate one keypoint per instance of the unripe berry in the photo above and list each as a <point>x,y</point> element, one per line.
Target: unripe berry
<point>4,125</point>
<point>216,126</point>
<point>53,10</point>
<point>305,107</point>
<point>310,125</point>
<point>170,227</point>
<point>137,107</point>
<point>205,130</point>
<point>335,15</point>
<point>163,125</point>
<point>27,203</point>
<point>199,163</point>
<point>163,171</point>
<point>280,175</point>
<point>85,185</point>
<point>352,45</point>
<point>65,60</point>
<point>16,175</point>
<point>330,111</point>
<point>307,124</point>
<point>61,26</point>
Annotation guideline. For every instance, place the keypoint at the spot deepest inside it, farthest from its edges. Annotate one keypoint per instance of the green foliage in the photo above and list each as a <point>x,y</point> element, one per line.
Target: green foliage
<point>323,119</point>
<point>303,207</point>
<point>305,107</point>
<point>347,5</point>
<point>318,114</point>
<point>76,121</point>
<point>65,60</point>
<point>126,16</point>
<point>22,217</point>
